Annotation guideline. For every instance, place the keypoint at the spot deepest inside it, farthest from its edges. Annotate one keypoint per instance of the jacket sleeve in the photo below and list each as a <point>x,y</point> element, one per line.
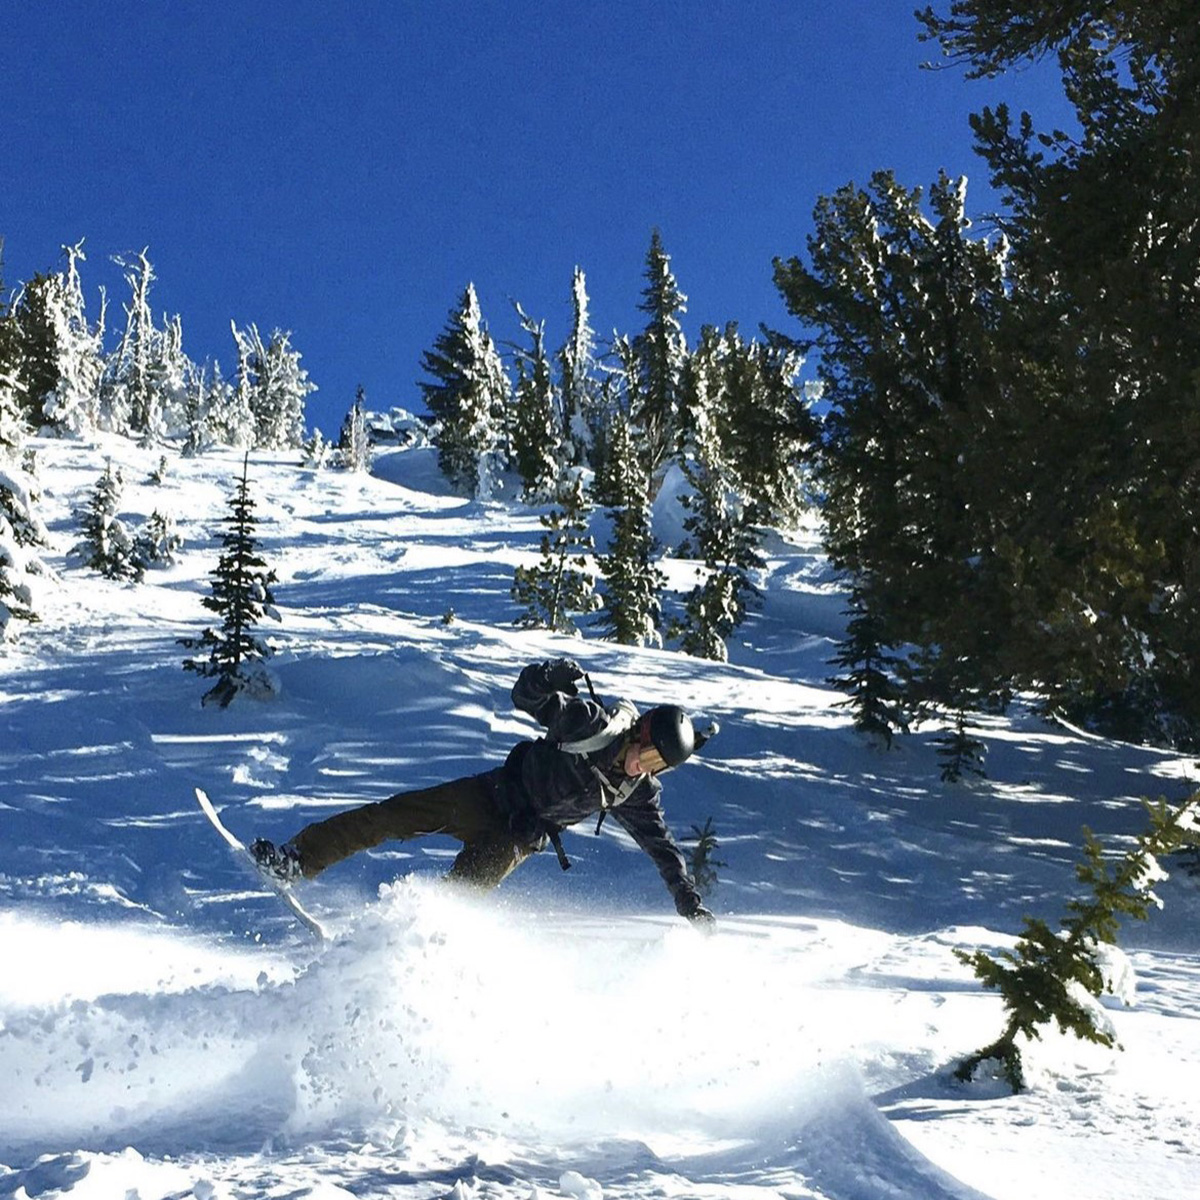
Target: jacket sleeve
<point>643,819</point>
<point>545,689</point>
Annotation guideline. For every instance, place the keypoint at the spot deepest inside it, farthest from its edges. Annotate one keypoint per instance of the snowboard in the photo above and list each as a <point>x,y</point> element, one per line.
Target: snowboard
<point>242,853</point>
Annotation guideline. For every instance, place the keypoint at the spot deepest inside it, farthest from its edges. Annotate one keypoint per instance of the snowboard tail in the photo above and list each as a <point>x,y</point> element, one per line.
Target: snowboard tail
<point>244,856</point>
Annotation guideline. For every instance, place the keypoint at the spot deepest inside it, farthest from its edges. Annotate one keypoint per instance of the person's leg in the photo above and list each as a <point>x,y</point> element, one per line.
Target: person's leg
<point>486,860</point>
<point>462,808</point>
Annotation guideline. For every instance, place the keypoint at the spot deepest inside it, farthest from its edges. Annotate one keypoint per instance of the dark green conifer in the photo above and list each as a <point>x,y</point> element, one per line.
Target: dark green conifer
<point>241,597</point>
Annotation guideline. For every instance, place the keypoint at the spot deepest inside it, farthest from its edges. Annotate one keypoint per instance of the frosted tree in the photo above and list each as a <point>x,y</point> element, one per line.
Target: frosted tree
<point>354,446</point>
<point>230,404</point>
<point>724,538</point>
<point>561,584</point>
<point>73,404</point>
<point>107,545</point>
<point>537,439</point>
<point>131,402</point>
<point>632,608</point>
<point>582,412</point>
<point>157,544</point>
<point>275,385</point>
<point>468,393</point>
<point>57,354</point>
<point>20,529</point>
<point>241,597</point>
<point>316,451</point>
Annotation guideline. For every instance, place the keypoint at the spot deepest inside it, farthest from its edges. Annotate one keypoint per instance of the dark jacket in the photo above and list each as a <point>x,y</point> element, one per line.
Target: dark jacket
<point>548,789</point>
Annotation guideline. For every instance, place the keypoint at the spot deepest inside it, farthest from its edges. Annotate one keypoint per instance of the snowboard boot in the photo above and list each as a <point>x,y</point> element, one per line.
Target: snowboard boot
<point>280,862</point>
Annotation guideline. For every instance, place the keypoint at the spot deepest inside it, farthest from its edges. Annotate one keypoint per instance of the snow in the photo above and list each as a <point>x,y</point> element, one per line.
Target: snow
<point>167,1030</point>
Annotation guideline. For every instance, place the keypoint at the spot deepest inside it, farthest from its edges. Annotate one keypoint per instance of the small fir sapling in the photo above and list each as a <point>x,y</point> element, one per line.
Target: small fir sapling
<point>107,545</point>
<point>158,542</point>
<point>241,597</point>
<point>703,865</point>
<point>1059,976</point>
<point>960,753</point>
<point>560,584</point>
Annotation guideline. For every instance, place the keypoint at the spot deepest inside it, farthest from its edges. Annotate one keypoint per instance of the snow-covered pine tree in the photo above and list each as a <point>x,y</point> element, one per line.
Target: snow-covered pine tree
<point>661,350</point>
<point>537,432</point>
<point>197,412</point>
<point>73,405</point>
<point>106,545</point>
<point>241,597</point>
<point>354,446</point>
<point>579,388</point>
<point>157,544</point>
<point>767,429</point>
<point>131,400</point>
<point>20,529</point>
<point>239,419</point>
<point>56,354</point>
<point>35,344</point>
<point>722,537</point>
<point>561,584</point>
<point>315,452</point>
<point>632,608</point>
<point>468,393</point>
<point>281,387</point>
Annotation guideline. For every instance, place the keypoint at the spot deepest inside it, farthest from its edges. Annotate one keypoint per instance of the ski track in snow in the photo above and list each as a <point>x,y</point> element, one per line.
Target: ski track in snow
<point>167,1031</point>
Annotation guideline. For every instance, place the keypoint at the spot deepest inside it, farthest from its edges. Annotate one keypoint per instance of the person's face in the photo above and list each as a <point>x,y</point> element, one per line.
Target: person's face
<point>642,760</point>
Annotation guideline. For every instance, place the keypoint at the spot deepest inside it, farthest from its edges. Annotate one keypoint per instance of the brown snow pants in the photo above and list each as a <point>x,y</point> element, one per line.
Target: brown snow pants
<point>466,809</point>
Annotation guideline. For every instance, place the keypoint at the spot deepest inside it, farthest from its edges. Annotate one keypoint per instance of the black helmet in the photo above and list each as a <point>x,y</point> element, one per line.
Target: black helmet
<point>669,730</point>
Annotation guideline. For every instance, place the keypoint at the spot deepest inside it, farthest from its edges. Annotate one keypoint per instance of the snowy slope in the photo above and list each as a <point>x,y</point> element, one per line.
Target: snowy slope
<point>166,1030</point>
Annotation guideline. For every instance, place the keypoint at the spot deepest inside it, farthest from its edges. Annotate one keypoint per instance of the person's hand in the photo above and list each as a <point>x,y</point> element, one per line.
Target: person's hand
<point>562,673</point>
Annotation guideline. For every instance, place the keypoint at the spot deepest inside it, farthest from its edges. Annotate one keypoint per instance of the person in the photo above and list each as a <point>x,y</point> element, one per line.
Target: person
<point>591,761</point>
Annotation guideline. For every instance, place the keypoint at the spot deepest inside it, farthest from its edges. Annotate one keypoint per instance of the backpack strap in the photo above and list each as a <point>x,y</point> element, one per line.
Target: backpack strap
<point>620,721</point>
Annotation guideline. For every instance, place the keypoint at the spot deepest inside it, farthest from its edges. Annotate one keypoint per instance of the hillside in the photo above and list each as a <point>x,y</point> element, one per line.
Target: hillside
<point>166,1030</point>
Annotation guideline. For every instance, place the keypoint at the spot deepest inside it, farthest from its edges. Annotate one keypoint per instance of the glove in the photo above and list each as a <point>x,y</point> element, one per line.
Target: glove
<point>561,674</point>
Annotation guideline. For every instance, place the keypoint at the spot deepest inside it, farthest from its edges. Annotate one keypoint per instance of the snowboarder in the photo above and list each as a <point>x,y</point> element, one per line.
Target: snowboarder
<point>591,760</point>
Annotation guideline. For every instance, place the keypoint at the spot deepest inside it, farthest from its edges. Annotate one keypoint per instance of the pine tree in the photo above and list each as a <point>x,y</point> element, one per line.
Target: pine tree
<point>20,529</point>
<point>239,417</point>
<point>661,350</point>
<point>703,866</point>
<point>766,427</point>
<point>158,543</point>
<point>73,404</point>
<point>280,388</point>
<point>1057,976</point>
<point>632,608</point>
<point>107,545</point>
<point>582,410</point>
<point>960,753</point>
<point>315,452</point>
<point>906,306</point>
<point>537,424</point>
<point>131,400</point>
<point>241,597</point>
<point>870,674</point>
<point>468,393</point>
<point>1098,504</point>
<point>561,584</point>
<point>723,538</point>
<point>354,447</point>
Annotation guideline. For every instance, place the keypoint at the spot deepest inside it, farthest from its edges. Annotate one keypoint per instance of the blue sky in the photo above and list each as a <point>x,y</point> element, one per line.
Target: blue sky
<point>342,171</point>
